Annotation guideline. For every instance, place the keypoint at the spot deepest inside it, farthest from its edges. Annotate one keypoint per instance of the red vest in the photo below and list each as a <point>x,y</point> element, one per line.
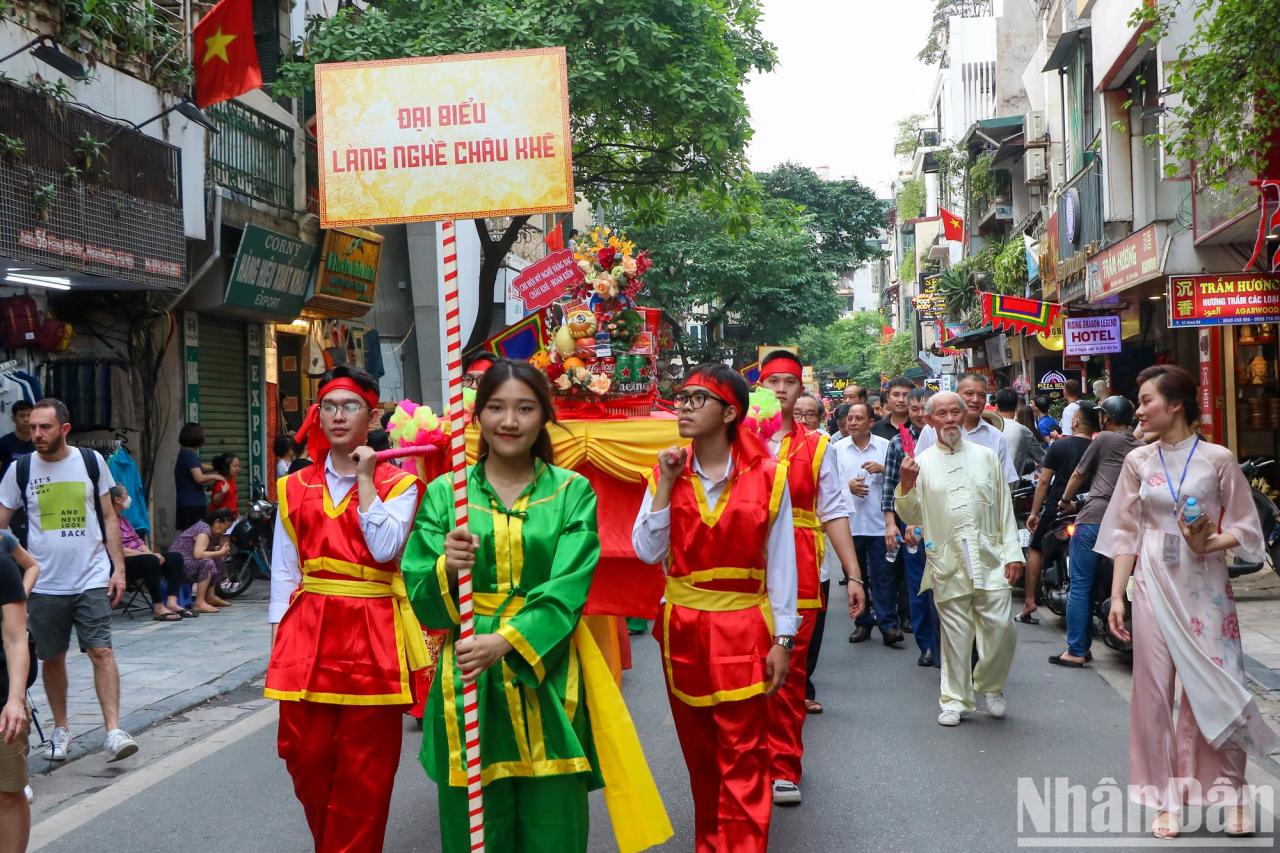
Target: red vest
<point>716,624</point>
<point>336,646</point>
<point>804,451</point>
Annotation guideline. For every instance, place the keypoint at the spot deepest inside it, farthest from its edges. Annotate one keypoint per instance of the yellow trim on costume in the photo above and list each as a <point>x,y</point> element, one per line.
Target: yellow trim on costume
<point>533,714</point>
<point>725,573</point>
<point>571,684</point>
<point>779,486</point>
<point>446,592</point>
<point>809,603</point>
<point>821,451</point>
<point>349,569</point>
<point>449,698</point>
<point>651,483</point>
<point>404,697</point>
<point>516,709</point>
<point>282,501</point>
<point>329,508</point>
<point>410,645</point>
<point>518,642</point>
<point>682,592</point>
<point>487,604</point>
<point>508,543</point>
<point>709,515</point>
<point>805,519</point>
<point>401,485</point>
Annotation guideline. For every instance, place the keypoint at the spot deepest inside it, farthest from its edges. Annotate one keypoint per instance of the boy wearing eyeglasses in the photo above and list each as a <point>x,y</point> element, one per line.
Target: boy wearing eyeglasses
<point>718,514</point>
<point>344,637</point>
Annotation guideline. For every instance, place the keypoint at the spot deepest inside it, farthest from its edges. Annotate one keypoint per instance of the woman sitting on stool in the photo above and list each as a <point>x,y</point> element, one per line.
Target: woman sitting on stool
<point>141,563</point>
<point>203,547</point>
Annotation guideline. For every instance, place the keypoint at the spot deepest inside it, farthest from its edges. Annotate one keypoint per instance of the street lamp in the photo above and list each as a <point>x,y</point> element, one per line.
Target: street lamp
<point>188,111</point>
<point>47,51</point>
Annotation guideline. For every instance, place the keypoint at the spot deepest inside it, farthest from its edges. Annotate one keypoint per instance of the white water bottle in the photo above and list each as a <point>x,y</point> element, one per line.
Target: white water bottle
<point>915,549</point>
<point>1191,511</point>
<point>892,556</point>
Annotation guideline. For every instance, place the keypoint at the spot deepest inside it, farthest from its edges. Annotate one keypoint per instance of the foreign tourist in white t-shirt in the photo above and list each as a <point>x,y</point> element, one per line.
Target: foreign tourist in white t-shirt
<point>73,534</point>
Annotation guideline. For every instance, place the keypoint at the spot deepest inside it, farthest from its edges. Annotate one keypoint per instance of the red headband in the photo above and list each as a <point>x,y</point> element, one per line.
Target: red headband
<point>480,360</point>
<point>311,432</point>
<point>720,388</point>
<point>782,364</point>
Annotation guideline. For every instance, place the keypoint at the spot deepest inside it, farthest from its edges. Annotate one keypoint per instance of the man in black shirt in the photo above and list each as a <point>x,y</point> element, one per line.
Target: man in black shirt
<point>18,442</point>
<point>887,427</point>
<point>1060,461</point>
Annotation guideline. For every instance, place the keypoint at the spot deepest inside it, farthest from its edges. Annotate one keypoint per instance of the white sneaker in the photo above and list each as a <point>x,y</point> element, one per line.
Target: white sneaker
<point>59,743</point>
<point>949,717</point>
<point>995,705</point>
<point>120,744</point>
<point>786,793</point>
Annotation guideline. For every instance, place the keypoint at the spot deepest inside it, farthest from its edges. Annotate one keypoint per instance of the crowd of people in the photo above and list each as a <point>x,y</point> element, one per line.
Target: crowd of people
<point>905,500</point>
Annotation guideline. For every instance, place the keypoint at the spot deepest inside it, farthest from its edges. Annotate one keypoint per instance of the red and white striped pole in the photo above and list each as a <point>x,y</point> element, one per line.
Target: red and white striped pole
<point>458,460</point>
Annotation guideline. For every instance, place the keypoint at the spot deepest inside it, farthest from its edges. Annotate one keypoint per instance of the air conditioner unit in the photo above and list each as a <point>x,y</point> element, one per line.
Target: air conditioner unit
<point>1034,165</point>
<point>1033,127</point>
<point>1056,178</point>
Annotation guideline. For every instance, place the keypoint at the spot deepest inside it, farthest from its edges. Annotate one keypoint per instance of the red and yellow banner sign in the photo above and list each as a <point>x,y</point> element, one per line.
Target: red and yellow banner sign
<point>1224,300</point>
<point>444,137</point>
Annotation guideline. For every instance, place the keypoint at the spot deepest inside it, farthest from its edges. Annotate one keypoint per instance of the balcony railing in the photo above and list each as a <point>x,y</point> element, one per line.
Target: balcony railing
<point>1084,190</point>
<point>253,155</point>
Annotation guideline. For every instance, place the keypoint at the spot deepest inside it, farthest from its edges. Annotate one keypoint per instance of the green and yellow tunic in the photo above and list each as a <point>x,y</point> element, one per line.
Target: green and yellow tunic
<point>530,582</point>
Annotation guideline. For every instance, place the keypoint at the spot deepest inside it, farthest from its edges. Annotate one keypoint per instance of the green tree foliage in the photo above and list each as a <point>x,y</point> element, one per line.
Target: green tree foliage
<point>842,214</point>
<point>851,343</point>
<point>655,86</point>
<point>935,47</point>
<point>908,136</point>
<point>1223,88</point>
<point>764,279</point>
<point>898,356</point>
<point>911,200</point>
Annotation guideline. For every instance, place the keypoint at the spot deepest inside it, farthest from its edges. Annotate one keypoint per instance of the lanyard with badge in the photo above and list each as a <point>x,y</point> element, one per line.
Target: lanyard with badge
<point>1173,542</point>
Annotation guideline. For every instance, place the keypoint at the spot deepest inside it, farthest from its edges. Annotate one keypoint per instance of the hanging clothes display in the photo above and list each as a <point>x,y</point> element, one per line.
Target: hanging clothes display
<point>85,386</point>
<point>124,470</point>
<point>12,389</point>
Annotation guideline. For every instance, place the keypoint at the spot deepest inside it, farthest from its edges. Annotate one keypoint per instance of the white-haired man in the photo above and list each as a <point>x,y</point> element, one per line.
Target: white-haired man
<point>957,492</point>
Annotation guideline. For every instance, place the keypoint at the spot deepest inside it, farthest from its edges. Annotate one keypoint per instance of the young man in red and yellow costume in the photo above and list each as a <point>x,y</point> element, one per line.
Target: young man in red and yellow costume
<point>718,514</point>
<point>818,505</point>
<point>344,638</point>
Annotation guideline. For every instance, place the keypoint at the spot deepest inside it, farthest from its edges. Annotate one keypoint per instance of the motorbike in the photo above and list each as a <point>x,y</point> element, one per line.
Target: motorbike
<point>1268,517</point>
<point>250,547</point>
<point>1055,579</point>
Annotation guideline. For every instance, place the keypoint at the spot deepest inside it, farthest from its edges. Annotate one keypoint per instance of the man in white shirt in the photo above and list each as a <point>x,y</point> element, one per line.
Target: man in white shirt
<point>718,514</point>
<point>972,389</point>
<point>1072,392</point>
<point>74,536</point>
<point>861,459</point>
<point>956,493</point>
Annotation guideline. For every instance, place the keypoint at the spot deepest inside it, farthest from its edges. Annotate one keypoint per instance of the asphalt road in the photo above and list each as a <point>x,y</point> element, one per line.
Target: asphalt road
<point>880,773</point>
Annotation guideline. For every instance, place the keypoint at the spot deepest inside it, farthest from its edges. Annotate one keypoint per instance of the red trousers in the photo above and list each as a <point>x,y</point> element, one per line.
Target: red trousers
<point>728,757</point>
<point>343,760</point>
<point>786,708</point>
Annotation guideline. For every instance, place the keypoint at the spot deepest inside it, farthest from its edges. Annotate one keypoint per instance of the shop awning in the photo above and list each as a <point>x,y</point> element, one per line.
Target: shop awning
<point>1065,49</point>
<point>970,338</point>
<point>914,373</point>
<point>990,132</point>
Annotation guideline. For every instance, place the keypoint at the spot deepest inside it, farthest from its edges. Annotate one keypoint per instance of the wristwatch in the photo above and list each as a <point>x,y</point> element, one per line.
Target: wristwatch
<point>787,642</point>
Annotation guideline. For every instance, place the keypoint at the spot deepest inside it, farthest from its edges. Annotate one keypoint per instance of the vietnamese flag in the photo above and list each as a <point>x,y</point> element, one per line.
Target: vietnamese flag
<point>952,225</point>
<point>224,53</point>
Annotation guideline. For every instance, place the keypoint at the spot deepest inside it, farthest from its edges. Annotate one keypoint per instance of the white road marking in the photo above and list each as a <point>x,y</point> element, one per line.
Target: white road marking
<point>59,823</point>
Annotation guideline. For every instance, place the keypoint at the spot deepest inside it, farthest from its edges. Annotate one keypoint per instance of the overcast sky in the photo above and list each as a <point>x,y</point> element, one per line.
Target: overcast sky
<point>846,73</point>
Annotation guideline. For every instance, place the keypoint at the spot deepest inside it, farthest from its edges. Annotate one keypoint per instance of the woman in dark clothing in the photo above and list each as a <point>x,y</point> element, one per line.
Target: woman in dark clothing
<point>191,478</point>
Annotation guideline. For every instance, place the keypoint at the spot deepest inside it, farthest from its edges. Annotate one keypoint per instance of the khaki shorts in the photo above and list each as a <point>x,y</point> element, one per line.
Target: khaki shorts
<point>13,761</point>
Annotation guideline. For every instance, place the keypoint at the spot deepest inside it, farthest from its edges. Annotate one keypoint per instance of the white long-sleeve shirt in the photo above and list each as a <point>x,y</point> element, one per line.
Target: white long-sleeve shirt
<point>651,539</point>
<point>867,518</point>
<point>385,525</point>
<point>833,500</point>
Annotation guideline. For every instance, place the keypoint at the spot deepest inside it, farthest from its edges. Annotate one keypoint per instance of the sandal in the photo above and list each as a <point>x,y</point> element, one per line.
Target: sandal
<point>1057,660</point>
<point>168,616</point>
<point>1027,619</point>
<point>812,706</point>
<point>1165,825</point>
<point>187,613</point>
<point>1239,821</point>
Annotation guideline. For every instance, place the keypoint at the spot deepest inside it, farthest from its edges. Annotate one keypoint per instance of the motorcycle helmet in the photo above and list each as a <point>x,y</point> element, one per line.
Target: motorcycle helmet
<point>1118,410</point>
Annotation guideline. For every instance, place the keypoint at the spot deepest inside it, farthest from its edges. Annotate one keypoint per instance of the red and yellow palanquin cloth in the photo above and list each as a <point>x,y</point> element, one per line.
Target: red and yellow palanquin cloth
<point>349,636</point>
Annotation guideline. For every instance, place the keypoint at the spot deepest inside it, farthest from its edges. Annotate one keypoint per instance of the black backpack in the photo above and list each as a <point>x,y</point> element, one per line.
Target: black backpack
<point>23,475</point>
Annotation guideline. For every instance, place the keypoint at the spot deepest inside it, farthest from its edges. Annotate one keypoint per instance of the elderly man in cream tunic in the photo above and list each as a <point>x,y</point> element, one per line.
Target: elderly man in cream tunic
<point>957,492</point>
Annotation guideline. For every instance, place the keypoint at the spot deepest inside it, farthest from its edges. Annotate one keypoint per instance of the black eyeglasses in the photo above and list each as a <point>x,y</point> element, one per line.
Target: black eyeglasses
<point>696,400</point>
